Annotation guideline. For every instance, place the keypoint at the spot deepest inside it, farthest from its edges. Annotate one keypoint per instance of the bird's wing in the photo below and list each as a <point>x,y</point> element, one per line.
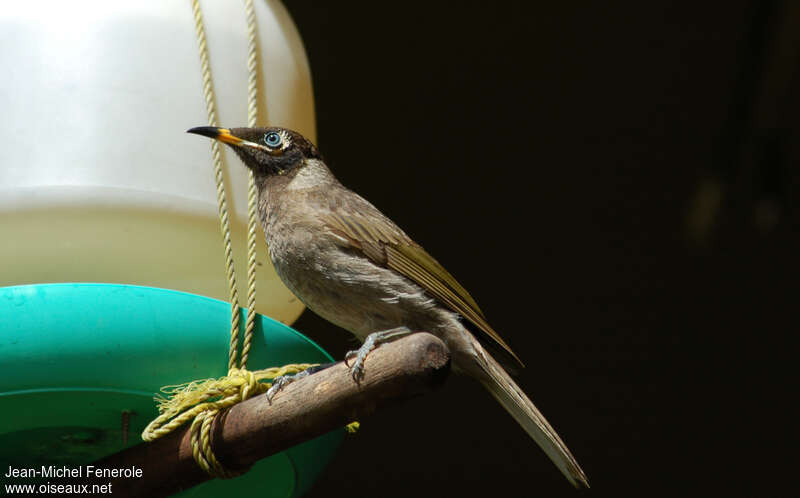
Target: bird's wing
<point>385,244</point>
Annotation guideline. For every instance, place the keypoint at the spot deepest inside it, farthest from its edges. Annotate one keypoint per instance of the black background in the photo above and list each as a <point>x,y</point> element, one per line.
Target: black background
<point>614,183</point>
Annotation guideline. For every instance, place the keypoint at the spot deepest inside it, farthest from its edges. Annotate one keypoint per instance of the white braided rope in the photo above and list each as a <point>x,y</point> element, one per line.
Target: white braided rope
<point>252,194</point>
<point>211,107</point>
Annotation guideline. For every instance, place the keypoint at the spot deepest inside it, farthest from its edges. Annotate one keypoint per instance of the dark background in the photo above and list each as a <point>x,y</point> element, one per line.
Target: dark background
<point>615,184</point>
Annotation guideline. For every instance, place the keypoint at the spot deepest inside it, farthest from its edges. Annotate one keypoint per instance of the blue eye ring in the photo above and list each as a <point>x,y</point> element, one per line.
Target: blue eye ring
<point>273,139</point>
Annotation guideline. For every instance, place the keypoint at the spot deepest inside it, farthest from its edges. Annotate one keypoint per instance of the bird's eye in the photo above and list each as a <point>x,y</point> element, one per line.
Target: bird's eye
<point>272,139</point>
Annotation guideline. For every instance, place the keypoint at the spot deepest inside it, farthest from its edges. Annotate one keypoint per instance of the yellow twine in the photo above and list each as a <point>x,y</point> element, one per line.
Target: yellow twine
<point>201,402</point>
<point>184,402</point>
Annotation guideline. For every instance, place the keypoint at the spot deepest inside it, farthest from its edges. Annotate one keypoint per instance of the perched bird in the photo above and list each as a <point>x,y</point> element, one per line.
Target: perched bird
<point>354,267</point>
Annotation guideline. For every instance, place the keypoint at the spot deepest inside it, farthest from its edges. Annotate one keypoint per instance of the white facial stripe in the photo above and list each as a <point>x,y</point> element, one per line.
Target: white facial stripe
<point>254,145</point>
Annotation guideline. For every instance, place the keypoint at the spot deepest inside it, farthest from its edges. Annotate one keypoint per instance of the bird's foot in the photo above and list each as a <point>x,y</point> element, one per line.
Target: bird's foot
<point>372,341</point>
<point>279,383</point>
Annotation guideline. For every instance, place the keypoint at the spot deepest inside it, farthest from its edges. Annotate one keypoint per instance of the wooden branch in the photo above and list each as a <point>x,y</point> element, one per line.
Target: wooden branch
<point>304,409</point>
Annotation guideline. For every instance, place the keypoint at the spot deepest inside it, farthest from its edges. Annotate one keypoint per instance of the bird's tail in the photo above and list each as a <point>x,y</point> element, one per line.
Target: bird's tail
<point>507,392</point>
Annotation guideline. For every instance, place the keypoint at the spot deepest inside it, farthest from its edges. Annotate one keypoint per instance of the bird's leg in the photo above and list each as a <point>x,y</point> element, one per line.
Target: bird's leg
<point>372,341</point>
<point>279,383</point>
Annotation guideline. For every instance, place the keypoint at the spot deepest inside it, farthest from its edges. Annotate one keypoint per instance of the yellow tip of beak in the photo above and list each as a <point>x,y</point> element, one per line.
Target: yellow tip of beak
<point>224,135</point>
<point>221,134</point>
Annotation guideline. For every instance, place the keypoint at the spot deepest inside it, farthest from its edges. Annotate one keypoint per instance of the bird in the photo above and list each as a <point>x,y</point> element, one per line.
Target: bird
<point>353,266</point>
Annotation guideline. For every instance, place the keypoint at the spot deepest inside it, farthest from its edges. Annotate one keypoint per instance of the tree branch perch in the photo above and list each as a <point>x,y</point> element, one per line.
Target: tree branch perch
<point>304,409</point>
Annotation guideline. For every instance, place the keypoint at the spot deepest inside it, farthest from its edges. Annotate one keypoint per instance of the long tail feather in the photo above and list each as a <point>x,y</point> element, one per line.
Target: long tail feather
<point>517,404</point>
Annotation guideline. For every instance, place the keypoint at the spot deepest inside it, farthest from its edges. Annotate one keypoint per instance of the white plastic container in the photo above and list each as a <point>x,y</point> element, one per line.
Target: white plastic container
<point>98,180</point>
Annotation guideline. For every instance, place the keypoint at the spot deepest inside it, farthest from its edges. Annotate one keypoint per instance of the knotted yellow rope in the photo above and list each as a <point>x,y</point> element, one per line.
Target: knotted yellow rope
<point>201,401</point>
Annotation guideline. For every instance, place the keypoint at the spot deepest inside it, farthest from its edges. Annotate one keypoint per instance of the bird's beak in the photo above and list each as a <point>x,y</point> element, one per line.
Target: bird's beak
<point>221,134</point>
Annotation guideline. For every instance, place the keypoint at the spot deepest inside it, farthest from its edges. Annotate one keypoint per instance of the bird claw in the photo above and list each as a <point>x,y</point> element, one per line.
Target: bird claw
<point>349,356</point>
<point>372,341</point>
<point>279,383</point>
<point>357,368</point>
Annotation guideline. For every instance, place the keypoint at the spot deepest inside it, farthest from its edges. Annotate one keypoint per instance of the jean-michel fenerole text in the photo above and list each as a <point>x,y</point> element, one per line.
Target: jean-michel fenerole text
<point>88,471</point>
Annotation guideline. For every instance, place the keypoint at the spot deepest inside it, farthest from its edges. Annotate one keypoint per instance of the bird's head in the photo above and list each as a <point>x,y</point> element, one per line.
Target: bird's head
<point>266,151</point>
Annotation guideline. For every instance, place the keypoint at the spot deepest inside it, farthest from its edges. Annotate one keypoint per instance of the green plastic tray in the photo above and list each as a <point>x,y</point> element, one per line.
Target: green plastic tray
<point>73,357</point>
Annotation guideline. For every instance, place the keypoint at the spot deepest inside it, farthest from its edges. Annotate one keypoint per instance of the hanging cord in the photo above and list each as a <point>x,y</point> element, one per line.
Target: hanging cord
<point>201,401</point>
<point>222,204</point>
<point>252,193</point>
